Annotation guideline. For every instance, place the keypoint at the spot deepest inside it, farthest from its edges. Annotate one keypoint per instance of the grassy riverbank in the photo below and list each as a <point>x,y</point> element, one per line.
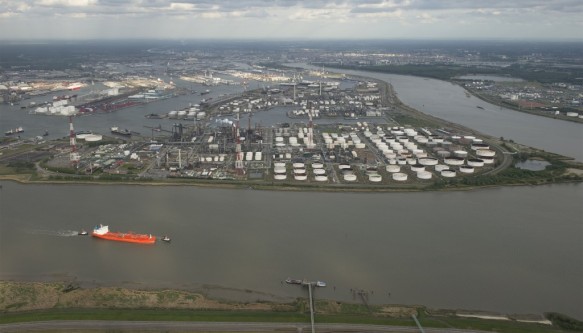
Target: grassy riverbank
<point>34,301</point>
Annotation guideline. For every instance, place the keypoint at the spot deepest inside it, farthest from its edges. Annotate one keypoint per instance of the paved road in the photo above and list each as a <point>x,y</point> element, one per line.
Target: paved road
<point>171,326</point>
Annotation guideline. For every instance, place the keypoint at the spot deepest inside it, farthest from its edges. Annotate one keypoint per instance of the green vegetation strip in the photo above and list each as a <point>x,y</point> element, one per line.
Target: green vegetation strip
<point>571,325</point>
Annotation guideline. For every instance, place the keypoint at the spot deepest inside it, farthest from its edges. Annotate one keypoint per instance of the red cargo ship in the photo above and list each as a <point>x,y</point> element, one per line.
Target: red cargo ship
<point>102,231</point>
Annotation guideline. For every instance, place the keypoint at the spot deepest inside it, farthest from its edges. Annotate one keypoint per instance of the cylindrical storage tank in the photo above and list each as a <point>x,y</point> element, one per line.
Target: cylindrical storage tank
<point>485,153</point>
<point>281,176</point>
<point>421,139</point>
<point>300,176</point>
<point>321,178</point>
<point>417,167</point>
<point>448,173</point>
<point>376,178</point>
<point>209,159</point>
<point>477,141</point>
<point>93,137</point>
<point>392,161</point>
<point>317,165</point>
<point>437,140</point>
<point>475,162</point>
<point>466,169</point>
<point>279,169</point>
<point>428,161</point>
<point>344,167</point>
<point>455,137</point>
<point>249,156</point>
<point>572,114</point>
<point>487,159</point>
<point>359,145</point>
<point>411,160</point>
<point>441,167</point>
<point>390,155</point>
<point>350,177</point>
<point>298,165</point>
<point>279,139</point>
<point>460,153</point>
<point>393,168</point>
<point>293,139</point>
<point>280,144</point>
<point>401,161</point>
<point>443,153</point>
<point>469,137</point>
<point>279,164</point>
<point>424,175</point>
<point>454,161</point>
<point>215,159</point>
<point>258,156</point>
<point>299,171</point>
<point>319,171</point>
<point>421,154</point>
<point>479,146</point>
<point>400,177</point>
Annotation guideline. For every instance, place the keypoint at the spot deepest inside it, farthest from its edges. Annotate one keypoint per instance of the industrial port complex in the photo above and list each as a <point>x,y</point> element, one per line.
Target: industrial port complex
<point>284,126</point>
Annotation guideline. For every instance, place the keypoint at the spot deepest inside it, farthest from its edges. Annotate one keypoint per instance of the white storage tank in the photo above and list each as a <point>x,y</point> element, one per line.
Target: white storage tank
<point>466,169</point>
<point>258,156</point>
<point>424,175</point>
<point>300,176</point>
<point>448,173</point>
<point>279,164</point>
<point>93,137</point>
<point>443,153</point>
<point>428,161</point>
<point>393,168</point>
<point>487,159</point>
<point>298,165</point>
<point>400,177</point>
<point>479,146</point>
<point>319,171</point>
<point>317,165</point>
<point>475,162</point>
<point>417,167</point>
<point>441,167</point>
<point>280,176</point>
<point>321,178</point>
<point>344,167</point>
<point>299,171</point>
<point>454,161</point>
<point>350,177</point>
<point>279,169</point>
<point>460,153</point>
<point>485,153</point>
<point>375,178</point>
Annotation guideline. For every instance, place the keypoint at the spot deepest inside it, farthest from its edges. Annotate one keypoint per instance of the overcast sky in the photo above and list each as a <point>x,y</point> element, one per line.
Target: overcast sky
<point>295,19</point>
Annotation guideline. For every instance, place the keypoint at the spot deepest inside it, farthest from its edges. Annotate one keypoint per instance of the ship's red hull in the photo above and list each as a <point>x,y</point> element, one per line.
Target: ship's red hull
<point>127,237</point>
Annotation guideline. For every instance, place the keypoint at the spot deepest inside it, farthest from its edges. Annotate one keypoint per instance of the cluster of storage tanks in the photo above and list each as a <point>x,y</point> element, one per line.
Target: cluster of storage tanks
<point>212,158</point>
<point>401,148</point>
<point>191,113</point>
<point>284,137</point>
<point>299,171</point>
<point>57,108</point>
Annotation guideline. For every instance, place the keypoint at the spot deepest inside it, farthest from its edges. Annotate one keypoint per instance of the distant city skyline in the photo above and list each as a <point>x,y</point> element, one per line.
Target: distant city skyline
<point>292,19</point>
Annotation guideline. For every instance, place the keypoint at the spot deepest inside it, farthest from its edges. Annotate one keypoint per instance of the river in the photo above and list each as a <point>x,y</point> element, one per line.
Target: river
<point>514,249</point>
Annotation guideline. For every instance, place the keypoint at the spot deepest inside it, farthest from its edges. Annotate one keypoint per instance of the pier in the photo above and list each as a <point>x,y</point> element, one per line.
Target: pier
<point>309,284</point>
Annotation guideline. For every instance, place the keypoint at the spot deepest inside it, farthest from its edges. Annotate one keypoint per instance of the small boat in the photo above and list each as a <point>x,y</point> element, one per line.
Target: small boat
<point>479,107</point>
<point>14,131</point>
<point>83,233</point>
<point>320,284</point>
<point>166,239</point>
<point>293,281</point>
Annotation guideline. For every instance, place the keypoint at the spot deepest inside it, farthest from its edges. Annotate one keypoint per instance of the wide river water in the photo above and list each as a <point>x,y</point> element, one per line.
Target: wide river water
<point>515,249</point>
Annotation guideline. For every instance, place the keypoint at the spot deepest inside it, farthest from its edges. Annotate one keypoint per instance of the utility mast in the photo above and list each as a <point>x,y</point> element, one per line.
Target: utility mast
<point>73,155</point>
<point>310,144</point>
<point>238,152</point>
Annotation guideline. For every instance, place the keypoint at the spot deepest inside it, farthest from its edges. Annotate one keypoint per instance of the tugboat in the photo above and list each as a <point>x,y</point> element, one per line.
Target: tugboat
<point>83,233</point>
<point>14,131</point>
<point>166,239</point>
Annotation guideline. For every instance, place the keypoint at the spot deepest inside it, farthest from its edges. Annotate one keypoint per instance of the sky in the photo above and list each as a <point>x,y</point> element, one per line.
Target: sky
<point>292,19</point>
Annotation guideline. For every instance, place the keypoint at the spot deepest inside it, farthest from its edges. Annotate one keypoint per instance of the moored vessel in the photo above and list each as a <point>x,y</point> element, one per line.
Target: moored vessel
<point>102,231</point>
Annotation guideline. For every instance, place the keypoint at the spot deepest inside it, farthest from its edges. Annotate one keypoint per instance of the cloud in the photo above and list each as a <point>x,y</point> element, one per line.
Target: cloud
<point>268,17</point>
